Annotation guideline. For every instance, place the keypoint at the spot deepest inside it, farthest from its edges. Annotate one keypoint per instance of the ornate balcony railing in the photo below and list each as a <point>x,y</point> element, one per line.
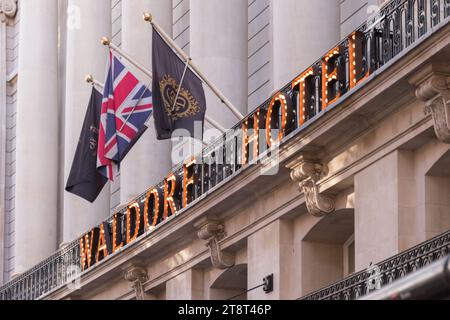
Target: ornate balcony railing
<point>389,270</point>
<point>57,270</point>
<point>398,25</point>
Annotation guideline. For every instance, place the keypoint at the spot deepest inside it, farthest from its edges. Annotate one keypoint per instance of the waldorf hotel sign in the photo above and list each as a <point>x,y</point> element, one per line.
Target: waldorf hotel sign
<point>307,96</point>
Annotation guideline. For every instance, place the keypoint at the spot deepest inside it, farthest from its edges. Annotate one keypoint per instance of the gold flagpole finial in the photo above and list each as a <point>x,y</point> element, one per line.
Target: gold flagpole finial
<point>89,78</point>
<point>147,17</point>
<point>105,41</point>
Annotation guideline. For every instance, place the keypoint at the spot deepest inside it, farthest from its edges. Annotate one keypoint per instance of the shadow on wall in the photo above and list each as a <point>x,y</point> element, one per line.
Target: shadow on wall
<point>437,197</point>
<point>230,283</point>
<point>328,251</point>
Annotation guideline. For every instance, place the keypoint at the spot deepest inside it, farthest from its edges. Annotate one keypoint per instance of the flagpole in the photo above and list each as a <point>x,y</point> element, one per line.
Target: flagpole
<point>90,79</point>
<point>148,17</point>
<point>106,42</point>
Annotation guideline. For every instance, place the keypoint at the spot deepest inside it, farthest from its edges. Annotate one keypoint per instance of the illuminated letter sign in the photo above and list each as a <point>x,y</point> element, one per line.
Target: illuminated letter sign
<point>152,199</point>
<point>117,233</point>
<point>303,97</point>
<point>104,242</point>
<point>170,186</point>
<point>188,182</point>
<point>137,221</point>
<point>356,59</point>
<point>317,87</point>
<point>254,138</point>
<point>86,249</point>
<point>330,76</point>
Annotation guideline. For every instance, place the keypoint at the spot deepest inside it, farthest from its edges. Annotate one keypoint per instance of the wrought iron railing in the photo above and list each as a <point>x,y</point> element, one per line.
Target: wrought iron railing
<point>57,270</point>
<point>389,270</point>
<point>398,25</point>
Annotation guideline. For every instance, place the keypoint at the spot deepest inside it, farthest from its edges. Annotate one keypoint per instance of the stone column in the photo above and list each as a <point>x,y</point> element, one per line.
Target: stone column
<point>38,118</point>
<point>385,209</point>
<point>218,46</point>
<point>149,160</point>
<point>271,251</point>
<point>88,21</point>
<point>186,286</point>
<point>303,30</point>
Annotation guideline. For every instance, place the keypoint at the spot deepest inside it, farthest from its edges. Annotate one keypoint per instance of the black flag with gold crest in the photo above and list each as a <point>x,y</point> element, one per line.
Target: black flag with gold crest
<point>178,96</point>
<point>84,179</point>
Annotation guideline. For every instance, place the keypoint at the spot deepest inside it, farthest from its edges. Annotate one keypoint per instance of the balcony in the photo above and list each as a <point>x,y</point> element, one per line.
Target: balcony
<point>390,34</point>
<point>389,270</point>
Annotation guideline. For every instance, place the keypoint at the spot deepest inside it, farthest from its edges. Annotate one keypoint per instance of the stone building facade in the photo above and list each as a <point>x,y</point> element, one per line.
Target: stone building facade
<point>356,184</point>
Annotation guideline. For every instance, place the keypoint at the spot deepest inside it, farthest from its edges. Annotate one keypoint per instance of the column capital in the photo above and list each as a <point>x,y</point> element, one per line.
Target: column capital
<point>307,171</point>
<point>432,84</point>
<point>8,10</point>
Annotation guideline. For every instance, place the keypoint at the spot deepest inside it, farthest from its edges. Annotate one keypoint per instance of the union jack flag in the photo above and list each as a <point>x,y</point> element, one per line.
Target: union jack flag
<point>127,105</point>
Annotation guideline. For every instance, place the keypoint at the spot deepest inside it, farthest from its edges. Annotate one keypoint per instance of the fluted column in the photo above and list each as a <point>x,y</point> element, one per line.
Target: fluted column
<point>149,160</point>
<point>88,21</point>
<point>38,141</point>
<point>218,46</point>
<point>303,30</point>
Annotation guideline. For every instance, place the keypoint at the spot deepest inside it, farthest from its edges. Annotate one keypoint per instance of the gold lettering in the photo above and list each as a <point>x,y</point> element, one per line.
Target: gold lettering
<point>301,82</point>
<point>329,77</point>
<point>102,244</point>
<point>137,214</point>
<point>188,180</point>
<point>169,201</point>
<point>356,59</point>
<point>86,244</point>
<point>115,246</point>
<point>270,121</point>
<point>151,193</point>
<point>254,138</point>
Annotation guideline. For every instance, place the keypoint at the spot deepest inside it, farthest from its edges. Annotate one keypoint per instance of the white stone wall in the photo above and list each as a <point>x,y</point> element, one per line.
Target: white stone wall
<point>116,7</point>
<point>355,12</point>
<point>259,52</point>
<point>181,23</point>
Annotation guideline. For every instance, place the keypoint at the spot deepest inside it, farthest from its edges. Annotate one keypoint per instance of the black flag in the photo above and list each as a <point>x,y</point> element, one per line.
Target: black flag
<point>84,179</point>
<point>190,107</point>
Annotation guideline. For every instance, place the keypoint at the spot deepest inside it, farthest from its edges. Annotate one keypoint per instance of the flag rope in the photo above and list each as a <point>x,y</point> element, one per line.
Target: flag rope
<point>134,108</point>
<point>181,83</point>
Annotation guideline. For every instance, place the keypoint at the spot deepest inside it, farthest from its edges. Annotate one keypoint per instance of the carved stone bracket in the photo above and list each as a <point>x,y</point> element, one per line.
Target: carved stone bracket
<point>307,173</point>
<point>138,276</point>
<point>8,9</point>
<point>213,232</point>
<point>435,92</point>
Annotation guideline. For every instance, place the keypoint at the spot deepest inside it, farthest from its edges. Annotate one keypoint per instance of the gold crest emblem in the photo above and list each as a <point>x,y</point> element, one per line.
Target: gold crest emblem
<point>186,104</point>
